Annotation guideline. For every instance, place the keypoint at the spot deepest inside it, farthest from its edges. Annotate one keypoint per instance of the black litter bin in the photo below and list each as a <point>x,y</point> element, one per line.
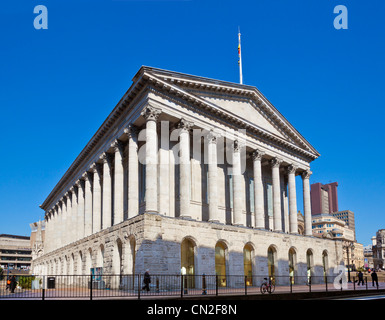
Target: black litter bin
<point>51,283</point>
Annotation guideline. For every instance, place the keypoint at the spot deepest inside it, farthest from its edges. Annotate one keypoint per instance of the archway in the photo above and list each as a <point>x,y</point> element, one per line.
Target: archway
<point>248,253</point>
<point>188,261</point>
<point>292,265</point>
<point>271,261</point>
<point>309,264</point>
<point>220,263</point>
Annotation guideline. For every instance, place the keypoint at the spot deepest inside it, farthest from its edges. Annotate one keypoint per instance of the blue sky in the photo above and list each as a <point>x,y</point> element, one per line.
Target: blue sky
<point>58,85</point>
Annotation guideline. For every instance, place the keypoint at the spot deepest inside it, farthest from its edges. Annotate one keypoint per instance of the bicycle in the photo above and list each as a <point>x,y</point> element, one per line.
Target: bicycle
<point>267,286</point>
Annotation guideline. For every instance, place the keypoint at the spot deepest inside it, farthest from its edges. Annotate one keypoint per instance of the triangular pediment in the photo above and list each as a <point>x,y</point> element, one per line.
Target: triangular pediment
<point>238,102</point>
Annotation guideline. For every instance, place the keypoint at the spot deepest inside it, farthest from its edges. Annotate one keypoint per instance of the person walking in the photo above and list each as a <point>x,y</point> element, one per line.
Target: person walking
<point>360,278</point>
<point>374,278</point>
<point>13,284</point>
<point>147,280</point>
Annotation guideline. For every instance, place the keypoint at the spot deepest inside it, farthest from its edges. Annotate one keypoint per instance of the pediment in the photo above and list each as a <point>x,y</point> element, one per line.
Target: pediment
<point>244,104</point>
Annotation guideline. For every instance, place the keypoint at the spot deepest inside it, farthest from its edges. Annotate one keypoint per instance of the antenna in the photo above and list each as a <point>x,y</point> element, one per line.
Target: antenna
<point>240,56</point>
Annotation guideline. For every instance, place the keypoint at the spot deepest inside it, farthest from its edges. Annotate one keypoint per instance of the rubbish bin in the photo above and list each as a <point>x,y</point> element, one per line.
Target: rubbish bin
<point>51,283</point>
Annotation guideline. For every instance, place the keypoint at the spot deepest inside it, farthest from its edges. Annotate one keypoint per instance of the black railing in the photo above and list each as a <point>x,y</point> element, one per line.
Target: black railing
<point>132,286</point>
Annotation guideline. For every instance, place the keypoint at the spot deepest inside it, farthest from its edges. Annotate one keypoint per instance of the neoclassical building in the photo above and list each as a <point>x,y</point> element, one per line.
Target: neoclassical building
<point>187,173</point>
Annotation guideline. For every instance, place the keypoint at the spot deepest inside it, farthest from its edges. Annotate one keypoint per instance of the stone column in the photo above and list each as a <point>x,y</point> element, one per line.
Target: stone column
<point>259,205</point>
<point>212,178</point>
<point>64,221</point>
<point>59,226</point>
<point>292,199</point>
<point>97,198</point>
<point>74,213</point>
<point>184,167</point>
<point>87,204</point>
<point>68,196</point>
<point>306,202</point>
<point>107,191</point>
<point>80,215</point>
<point>133,171</point>
<point>277,210</point>
<point>118,182</point>
<point>151,114</point>
<point>238,218</point>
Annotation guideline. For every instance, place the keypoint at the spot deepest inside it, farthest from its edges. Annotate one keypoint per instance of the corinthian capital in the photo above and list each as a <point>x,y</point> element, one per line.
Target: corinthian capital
<point>151,113</point>
<point>212,136</point>
<point>257,154</point>
<point>184,124</point>
<point>131,131</point>
<point>306,174</point>
<point>291,168</point>
<point>275,162</point>
<point>117,145</point>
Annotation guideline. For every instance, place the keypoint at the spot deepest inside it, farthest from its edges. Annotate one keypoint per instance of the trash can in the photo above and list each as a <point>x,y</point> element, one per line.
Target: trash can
<point>51,283</point>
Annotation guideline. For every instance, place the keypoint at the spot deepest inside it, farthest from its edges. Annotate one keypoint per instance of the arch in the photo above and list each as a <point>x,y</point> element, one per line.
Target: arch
<point>221,262</point>
<point>88,262</point>
<point>309,263</point>
<point>325,264</point>
<point>292,264</point>
<point>187,263</point>
<point>79,264</point>
<point>248,255</point>
<point>129,255</point>
<point>272,260</point>
<point>117,257</point>
<point>100,257</point>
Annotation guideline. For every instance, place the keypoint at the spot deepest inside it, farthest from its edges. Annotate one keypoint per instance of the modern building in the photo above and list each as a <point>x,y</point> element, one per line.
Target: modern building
<point>15,253</point>
<point>324,198</point>
<point>187,173</point>
<point>326,225</point>
<point>348,217</point>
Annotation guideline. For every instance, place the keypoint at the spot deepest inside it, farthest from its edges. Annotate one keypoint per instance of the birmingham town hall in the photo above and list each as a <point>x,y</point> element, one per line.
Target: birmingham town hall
<point>187,173</point>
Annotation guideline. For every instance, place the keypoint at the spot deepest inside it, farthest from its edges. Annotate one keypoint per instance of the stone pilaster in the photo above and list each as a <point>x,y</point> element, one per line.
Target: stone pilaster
<point>80,214</point>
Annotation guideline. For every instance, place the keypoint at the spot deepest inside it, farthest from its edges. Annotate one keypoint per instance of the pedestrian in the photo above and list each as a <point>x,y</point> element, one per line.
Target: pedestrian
<point>147,280</point>
<point>374,278</point>
<point>360,278</point>
<point>13,284</point>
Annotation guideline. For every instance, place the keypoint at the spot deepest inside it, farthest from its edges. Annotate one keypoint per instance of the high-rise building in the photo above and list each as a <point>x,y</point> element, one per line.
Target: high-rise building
<point>324,198</point>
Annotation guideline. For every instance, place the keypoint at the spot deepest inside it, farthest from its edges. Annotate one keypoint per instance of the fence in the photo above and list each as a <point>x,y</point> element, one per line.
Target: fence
<point>132,286</point>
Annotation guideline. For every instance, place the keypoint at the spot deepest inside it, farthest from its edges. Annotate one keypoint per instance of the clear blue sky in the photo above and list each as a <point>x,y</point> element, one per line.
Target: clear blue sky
<point>58,85</point>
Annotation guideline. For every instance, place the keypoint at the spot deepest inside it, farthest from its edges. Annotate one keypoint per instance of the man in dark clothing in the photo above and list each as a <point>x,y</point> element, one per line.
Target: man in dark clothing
<point>374,278</point>
<point>147,280</point>
<point>360,278</point>
<point>13,284</point>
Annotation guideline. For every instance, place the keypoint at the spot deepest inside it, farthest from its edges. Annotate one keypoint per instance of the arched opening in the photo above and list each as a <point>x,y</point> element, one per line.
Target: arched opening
<point>248,263</point>
<point>188,261</point>
<point>309,264</point>
<point>325,264</point>
<point>117,258</point>
<point>220,263</point>
<point>292,265</point>
<point>271,260</point>
<point>88,261</point>
<point>100,257</point>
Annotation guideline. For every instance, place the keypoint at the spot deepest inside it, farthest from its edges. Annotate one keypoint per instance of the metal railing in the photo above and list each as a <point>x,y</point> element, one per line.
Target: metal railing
<point>132,286</point>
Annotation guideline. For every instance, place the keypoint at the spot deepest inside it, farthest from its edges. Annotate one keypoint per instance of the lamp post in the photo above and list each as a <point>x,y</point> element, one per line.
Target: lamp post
<point>348,245</point>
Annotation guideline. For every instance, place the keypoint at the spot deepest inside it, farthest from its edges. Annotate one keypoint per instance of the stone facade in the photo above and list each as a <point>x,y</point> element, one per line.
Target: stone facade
<point>186,163</point>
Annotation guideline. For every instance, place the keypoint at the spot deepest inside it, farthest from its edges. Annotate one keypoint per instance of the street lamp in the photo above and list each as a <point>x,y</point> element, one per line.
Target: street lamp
<point>348,245</point>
